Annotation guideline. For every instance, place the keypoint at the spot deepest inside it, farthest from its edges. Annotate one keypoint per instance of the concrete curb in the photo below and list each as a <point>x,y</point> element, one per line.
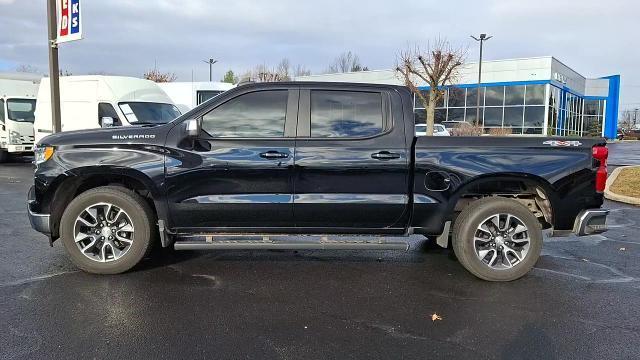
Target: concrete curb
<point>617,197</point>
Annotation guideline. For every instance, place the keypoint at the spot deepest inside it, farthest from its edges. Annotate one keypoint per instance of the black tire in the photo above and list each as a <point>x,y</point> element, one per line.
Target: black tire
<point>4,156</point>
<point>471,218</point>
<point>134,205</point>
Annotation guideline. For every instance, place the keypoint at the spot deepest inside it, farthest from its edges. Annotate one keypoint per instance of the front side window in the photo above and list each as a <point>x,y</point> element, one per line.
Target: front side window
<point>205,95</point>
<point>1,110</point>
<point>257,114</point>
<point>107,110</point>
<point>21,110</point>
<point>148,112</point>
<point>345,114</point>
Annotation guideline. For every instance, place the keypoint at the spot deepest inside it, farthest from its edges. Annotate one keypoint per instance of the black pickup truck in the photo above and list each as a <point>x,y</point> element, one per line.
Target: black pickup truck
<point>323,159</point>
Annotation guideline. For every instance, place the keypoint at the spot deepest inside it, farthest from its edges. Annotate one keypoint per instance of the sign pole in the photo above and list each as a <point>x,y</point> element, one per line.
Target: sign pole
<point>54,68</point>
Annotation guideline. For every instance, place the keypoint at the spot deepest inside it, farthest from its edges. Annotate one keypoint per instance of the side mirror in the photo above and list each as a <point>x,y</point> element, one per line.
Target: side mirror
<point>192,128</point>
<point>107,121</point>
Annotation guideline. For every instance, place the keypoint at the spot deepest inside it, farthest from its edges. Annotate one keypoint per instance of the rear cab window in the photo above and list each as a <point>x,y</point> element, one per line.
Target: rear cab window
<point>345,114</point>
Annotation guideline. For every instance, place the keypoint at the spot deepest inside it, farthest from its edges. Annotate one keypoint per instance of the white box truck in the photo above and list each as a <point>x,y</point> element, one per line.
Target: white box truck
<point>187,95</point>
<point>88,102</point>
<point>17,106</point>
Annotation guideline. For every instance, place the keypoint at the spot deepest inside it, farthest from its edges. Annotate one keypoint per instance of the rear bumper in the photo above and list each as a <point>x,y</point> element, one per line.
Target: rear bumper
<point>592,221</point>
<point>39,222</point>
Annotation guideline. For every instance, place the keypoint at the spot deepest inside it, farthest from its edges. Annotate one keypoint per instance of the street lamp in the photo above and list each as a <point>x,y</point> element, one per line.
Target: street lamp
<point>210,62</point>
<point>481,40</point>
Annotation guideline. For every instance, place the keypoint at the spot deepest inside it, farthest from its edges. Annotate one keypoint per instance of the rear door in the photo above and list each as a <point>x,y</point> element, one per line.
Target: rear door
<point>352,162</point>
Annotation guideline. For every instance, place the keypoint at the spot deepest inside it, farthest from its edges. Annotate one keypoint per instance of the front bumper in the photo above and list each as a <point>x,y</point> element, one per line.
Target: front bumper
<point>39,222</point>
<point>17,149</point>
<point>592,221</point>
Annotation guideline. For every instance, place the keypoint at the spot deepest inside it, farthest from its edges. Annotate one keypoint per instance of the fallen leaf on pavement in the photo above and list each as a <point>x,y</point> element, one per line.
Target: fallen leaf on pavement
<point>435,317</point>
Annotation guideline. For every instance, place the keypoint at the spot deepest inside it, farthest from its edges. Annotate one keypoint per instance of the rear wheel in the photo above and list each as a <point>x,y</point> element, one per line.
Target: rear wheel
<point>497,239</point>
<point>107,230</point>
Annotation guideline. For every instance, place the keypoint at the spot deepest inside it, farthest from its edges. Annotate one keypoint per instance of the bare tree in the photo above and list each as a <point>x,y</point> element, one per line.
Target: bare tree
<point>301,70</point>
<point>284,69</point>
<point>437,66</point>
<point>156,75</point>
<point>26,68</point>
<point>628,119</point>
<point>346,62</point>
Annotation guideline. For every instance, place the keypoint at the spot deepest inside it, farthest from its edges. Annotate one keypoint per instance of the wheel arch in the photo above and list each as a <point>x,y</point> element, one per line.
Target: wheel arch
<point>69,186</point>
<point>533,191</point>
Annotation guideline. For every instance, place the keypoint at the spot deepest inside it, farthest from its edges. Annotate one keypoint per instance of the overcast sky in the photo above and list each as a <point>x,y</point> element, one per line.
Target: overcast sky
<point>127,37</point>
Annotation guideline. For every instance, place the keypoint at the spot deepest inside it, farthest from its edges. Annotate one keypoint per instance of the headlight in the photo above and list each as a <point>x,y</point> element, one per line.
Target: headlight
<point>42,154</point>
<point>15,138</point>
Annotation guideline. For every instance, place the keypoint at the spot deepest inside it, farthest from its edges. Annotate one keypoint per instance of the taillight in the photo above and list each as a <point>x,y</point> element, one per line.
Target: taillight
<point>601,153</point>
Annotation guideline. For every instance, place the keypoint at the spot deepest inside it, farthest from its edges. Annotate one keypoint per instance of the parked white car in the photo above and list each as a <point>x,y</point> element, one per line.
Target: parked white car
<point>89,102</point>
<point>438,130</point>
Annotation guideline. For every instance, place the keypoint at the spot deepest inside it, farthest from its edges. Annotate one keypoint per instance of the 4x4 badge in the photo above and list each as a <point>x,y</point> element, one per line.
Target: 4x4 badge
<point>562,143</point>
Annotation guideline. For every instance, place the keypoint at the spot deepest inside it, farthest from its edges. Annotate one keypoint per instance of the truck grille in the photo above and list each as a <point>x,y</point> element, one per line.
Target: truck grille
<point>27,139</point>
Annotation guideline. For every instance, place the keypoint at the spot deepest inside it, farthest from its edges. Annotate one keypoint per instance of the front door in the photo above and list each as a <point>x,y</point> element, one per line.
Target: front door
<point>351,161</point>
<point>238,174</point>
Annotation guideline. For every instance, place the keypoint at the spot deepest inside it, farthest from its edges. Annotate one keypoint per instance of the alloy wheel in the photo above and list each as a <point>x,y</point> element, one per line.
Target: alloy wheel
<point>103,232</point>
<point>501,241</point>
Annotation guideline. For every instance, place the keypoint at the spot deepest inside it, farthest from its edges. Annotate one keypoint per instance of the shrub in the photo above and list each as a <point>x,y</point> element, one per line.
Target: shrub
<point>466,129</point>
<point>500,131</point>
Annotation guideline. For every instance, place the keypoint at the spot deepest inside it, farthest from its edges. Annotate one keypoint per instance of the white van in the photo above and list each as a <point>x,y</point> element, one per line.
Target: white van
<point>17,107</point>
<point>187,95</point>
<point>88,102</point>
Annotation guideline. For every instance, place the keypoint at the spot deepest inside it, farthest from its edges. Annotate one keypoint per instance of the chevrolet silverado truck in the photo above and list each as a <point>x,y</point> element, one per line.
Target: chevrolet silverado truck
<point>339,162</point>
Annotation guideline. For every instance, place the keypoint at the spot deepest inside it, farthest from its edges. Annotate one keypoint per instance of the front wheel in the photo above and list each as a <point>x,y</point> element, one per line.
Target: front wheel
<point>497,239</point>
<point>107,230</point>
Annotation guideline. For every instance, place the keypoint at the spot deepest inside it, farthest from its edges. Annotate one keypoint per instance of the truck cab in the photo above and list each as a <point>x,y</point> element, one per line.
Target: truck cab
<point>16,126</point>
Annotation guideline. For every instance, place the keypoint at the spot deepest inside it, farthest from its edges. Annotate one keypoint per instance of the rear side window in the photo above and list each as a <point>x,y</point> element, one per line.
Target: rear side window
<point>257,114</point>
<point>345,114</point>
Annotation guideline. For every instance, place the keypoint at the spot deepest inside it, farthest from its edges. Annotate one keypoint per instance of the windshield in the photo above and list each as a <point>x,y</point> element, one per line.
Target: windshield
<point>149,113</point>
<point>21,110</point>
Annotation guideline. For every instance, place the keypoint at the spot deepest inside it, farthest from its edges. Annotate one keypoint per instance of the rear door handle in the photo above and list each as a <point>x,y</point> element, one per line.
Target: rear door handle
<point>385,155</point>
<point>274,155</point>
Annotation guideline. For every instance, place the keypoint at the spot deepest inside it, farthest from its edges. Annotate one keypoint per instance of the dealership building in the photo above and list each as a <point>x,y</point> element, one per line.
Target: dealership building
<point>532,96</point>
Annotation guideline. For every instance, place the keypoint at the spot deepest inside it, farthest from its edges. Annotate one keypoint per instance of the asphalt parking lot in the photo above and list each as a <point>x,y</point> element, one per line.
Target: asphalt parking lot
<point>581,300</point>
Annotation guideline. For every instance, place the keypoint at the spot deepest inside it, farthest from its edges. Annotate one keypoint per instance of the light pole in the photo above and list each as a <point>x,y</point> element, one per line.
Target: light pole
<point>210,62</point>
<point>635,117</point>
<point>481,40</point>
<point>54,69</point>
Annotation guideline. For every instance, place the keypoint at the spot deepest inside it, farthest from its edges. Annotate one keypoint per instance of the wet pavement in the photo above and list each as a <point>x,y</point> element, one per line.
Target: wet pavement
<point>581,300</point>
<point>624,153</point>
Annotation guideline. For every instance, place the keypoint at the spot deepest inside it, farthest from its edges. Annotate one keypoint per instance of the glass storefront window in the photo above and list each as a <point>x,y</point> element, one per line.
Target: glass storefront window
<point>494,96</point>
<point>493,116</point>
<point>514,95</point>
<point>591,107</point>
<point>472,96</point>
<point>470,116</point>
<point>440,116</point>
<point>535,95</point>
<point>534,116</point>
<point>455,114</point>
<point>456,97</point>
<point>513,116</point>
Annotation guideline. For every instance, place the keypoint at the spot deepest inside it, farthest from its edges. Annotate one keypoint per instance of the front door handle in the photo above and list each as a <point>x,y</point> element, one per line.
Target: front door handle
<point>274,155</point>
<point>385,155</point>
